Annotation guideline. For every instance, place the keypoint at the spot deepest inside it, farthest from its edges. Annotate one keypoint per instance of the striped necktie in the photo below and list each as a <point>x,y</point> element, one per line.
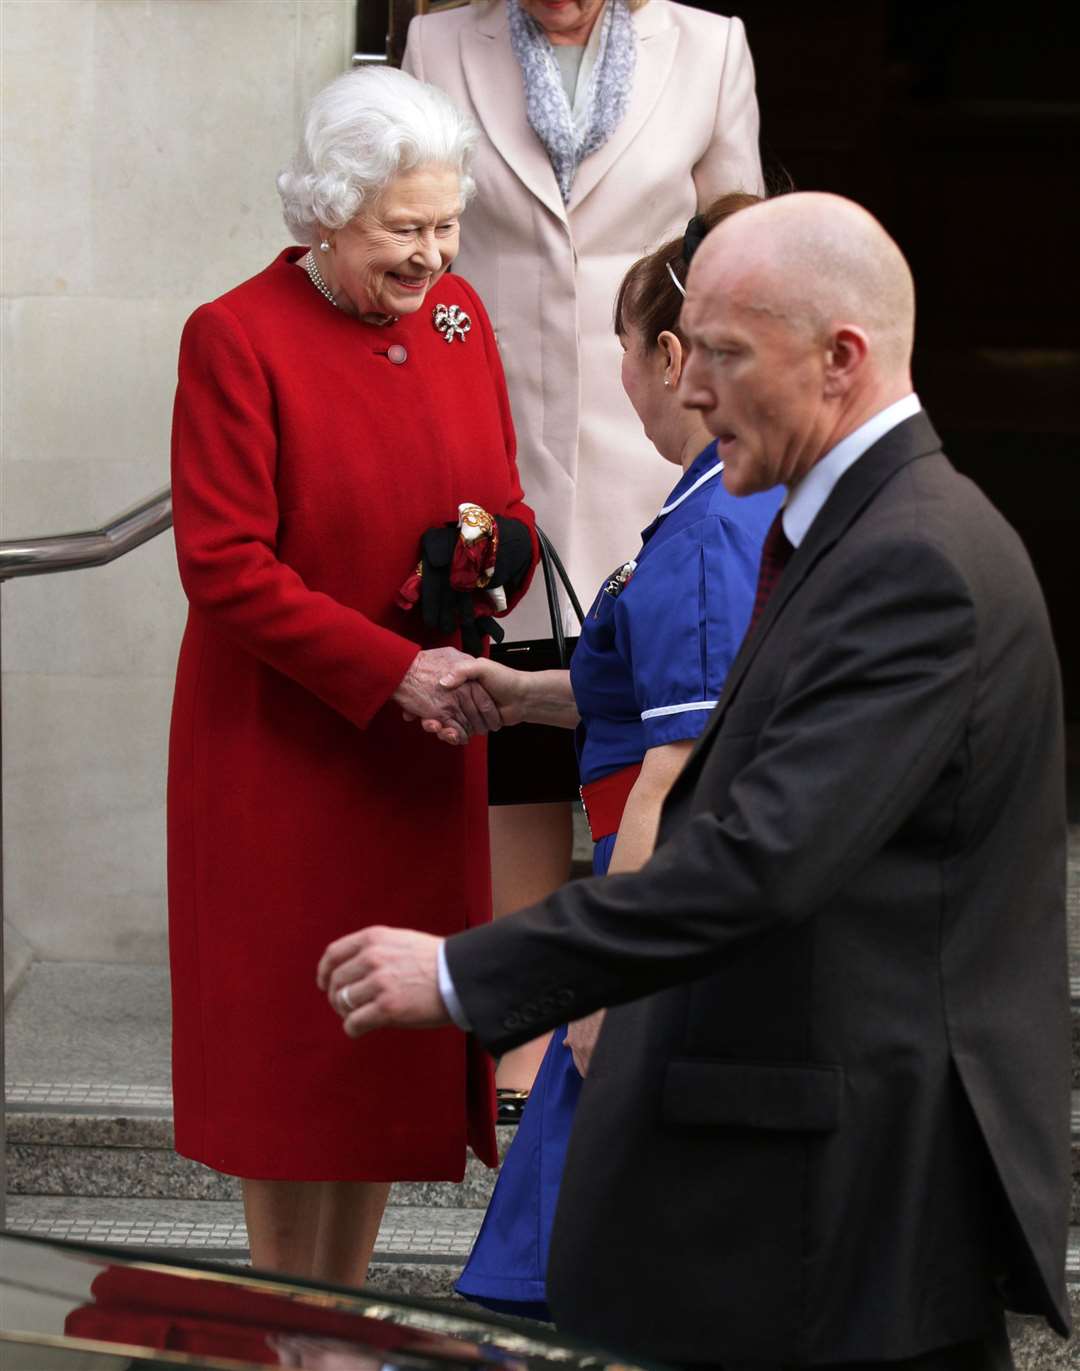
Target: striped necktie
<point>775,553</point>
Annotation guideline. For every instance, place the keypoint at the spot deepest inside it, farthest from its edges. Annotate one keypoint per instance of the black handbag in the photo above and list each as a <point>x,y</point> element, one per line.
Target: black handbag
<point>537,763</point>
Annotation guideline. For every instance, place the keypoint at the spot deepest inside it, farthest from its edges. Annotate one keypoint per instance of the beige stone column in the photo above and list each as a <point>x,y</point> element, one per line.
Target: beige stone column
<point>141,139</point>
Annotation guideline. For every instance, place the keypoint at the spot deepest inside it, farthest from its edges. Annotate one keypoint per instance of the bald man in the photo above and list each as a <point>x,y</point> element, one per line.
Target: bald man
<point>827,1122</point>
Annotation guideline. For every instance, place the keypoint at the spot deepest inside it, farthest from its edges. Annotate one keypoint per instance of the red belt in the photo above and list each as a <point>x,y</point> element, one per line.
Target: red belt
<point>604,800</point>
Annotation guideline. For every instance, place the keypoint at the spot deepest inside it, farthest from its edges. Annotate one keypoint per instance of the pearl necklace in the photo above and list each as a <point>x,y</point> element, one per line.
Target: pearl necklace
<point>314,276</point>
<point>316,280</point>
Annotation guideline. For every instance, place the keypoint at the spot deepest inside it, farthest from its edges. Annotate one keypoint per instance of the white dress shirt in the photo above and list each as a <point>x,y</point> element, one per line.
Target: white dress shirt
<point>804,503</point>
<point>805,500</point>
<point>449,994</point>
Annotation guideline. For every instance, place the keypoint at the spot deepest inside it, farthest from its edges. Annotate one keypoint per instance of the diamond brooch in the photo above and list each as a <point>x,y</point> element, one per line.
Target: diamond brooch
<point>451,321</point>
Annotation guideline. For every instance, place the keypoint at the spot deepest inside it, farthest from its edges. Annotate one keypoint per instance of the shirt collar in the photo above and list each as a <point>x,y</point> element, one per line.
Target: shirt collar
<point>703,468</point>
<point>805,501</point>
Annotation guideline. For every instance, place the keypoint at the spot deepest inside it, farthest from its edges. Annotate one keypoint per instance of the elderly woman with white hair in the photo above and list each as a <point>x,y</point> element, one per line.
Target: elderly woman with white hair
<point>332,414</point>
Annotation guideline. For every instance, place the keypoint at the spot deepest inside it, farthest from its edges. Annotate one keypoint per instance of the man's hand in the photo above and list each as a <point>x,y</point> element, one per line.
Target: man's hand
<point>455,715</point>
<point>382,978</point>
<point>581,1038</point>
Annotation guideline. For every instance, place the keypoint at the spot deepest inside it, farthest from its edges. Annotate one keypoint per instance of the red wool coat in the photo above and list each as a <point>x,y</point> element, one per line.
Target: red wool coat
<point>306,465</point>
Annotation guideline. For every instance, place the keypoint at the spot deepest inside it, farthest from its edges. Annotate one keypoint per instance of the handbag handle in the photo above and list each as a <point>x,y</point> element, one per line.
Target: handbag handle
<point>553,568</point>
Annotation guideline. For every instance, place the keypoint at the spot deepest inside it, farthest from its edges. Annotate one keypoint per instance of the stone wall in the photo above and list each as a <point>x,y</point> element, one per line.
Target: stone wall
<point>141,139</point>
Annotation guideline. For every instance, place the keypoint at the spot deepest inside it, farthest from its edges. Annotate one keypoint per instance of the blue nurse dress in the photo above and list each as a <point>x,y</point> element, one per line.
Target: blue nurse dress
<point>649,666</point>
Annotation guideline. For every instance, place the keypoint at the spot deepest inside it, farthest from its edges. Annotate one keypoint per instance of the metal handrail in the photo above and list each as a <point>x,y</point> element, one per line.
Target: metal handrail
<point>92,547</point>
<point>39,557</point>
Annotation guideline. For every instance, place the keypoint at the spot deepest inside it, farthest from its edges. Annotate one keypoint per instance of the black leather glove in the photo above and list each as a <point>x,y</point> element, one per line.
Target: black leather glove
<point>440,603</point>
<point>475,630</point>
<point>515,554</point>
<point>445,609</point>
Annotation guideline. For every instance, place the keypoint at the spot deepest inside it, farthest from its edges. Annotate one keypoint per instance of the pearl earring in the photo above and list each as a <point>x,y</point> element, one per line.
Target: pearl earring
<point>667,380</point>
<point>324,246</point>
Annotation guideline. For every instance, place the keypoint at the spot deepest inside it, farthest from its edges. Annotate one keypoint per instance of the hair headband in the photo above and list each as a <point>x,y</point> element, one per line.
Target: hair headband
<point>696,230</point>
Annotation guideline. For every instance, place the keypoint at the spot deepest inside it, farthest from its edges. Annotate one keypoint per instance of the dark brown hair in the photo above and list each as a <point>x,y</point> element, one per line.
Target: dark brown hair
<point>647,299</point>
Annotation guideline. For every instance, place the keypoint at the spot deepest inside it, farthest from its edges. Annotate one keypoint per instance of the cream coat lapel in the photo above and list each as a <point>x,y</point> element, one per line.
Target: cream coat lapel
<point>495,88</point>
<point>658,39</point>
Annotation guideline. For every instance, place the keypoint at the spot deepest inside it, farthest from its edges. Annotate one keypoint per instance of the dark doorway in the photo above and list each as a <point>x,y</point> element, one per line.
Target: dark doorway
<point>958,124</point>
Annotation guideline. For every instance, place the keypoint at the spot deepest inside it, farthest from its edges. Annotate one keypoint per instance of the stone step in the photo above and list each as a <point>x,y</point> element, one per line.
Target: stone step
<point>65,1140</point>
<point>420,1250</point>
<point>76,1139</point>
<point>94,1136</point>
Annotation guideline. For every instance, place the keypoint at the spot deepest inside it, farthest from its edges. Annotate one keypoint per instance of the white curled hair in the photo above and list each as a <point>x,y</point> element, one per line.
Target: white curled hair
<point>360,131</point>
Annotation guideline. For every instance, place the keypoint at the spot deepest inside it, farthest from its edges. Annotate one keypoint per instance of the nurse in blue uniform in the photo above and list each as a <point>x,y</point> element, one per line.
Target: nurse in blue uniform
<point>649,666</point>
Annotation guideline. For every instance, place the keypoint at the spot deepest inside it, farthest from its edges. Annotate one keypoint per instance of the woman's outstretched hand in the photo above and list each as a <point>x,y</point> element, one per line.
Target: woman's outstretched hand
<point>454,713</point>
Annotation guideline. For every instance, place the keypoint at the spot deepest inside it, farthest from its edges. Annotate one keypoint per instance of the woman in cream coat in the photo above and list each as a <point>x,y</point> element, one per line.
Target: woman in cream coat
<point>547,264</point>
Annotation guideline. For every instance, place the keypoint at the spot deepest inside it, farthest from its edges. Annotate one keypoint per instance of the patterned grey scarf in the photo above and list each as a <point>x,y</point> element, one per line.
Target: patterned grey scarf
<point>569,142</point>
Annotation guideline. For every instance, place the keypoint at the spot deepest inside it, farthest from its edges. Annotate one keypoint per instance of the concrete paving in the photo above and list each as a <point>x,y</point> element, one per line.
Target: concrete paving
<point>89,1023</point>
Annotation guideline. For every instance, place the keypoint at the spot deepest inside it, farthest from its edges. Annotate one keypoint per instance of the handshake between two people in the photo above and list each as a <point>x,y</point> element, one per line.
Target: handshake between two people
<point>456,697</point>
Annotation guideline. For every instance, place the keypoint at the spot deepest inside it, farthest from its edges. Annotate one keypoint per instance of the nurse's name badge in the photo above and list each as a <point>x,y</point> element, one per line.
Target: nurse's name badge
<point>619,580</point>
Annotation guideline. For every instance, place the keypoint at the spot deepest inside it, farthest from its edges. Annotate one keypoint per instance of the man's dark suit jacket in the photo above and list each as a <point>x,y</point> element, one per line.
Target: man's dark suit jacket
<point>833,1123</point>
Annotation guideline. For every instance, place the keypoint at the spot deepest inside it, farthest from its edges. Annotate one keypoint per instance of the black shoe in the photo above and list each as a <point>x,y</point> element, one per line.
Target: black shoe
<point>511,1104</point>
